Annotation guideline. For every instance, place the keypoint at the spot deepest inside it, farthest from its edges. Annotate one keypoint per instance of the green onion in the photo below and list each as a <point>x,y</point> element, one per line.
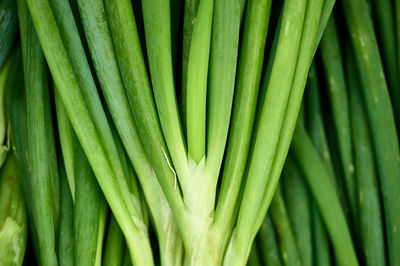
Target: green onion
<point>336,86</point>
<point>322,187</point>
<point>317,134</point>
<point>137,88</point>
<point>196,88</point>
<point>371,219</point>
<point>66,234</point>
<point>73,100</point>
<point>158,44</point>
<point>321,243</point>
<point>380,117</point>
<point>298,205</point>
<point>268,243</point>
<point>101,48</point>
<point>127,260</point>
<point>147,130</point>
<point>8,28</point>
<point>254,258</point>
<point>182,117</point>
<point>386,33</point>
<point>248,82</point>
<point>16,114</point>
<point>190,11</point>
<point>315,9</point>
<point>66,135</point>
<point>13,220</point>
<point>114,245</point>
<point>287,242</point>
<point>272,116</point>
<point>6,74</point>
<point>224,67</point>
<point>89,213</point>
<point>315,123</point>
<point>41,146</point>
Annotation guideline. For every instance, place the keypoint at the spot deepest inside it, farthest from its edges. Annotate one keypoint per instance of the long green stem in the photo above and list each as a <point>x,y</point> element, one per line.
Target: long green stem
<point>310,30</point>
<point>190,11</point>
<point>287,241</point>
<point>14,178</point>
<point>386,23</point>
<point>5,75</point>
<point>102,217</point>
<point>321,244</point>
<point>298,205</point>
<point>196,88</point>
<point>66,136</point>
<point>69,32</point>
<point>371,221</point>
<point>78,113</point>
<point>271,120</point>
<point>268,243</point>
<point>158,41</point>
<point>315,125</point>
<point>25,32</point>
<point>227,20</point>
<point>37,93</point>
<point>317,134</point>
<point>98,35</point>
<point>327,8</point>
<point>66,234</point>
<point>323,190</point>
<point>227,17</point>
<point>130,59</point>
<point>200,195</point>
<point>71,39</point>
<point>131,139</point>
<point>397,17</point>
<point>8,29</point>
<point>153,151</point>
<point>336,85</point>
<point>380,116</point>
<point>16,115</point>
<point>115,244</point>
<point>78,60</point>
<point>248,81</point>
<point>87,212</point>
<point>254,257</point>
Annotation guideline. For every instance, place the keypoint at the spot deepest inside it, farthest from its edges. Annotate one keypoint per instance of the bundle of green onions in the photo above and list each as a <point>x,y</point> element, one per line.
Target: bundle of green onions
<point>156,132</point>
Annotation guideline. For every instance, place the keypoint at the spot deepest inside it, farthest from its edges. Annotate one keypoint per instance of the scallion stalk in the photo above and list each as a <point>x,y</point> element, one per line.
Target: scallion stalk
<point>371,215</point>
<point>386,32</point>
<point>8,28</point>
<point>66,233</point>
<point>115,244</point>
<point>13,218</point>
<point>308,39</point>
<point>196,87</point>
<point>298,205</point>
<point>380,116</point>
<point>286,238</point>
<point>268,243</point>
<point>316,131</point>
<point>89,212</point>
<point>336,86</point>
<point>78,113</point>
<point>40,143</point>
<point>324,192</point>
